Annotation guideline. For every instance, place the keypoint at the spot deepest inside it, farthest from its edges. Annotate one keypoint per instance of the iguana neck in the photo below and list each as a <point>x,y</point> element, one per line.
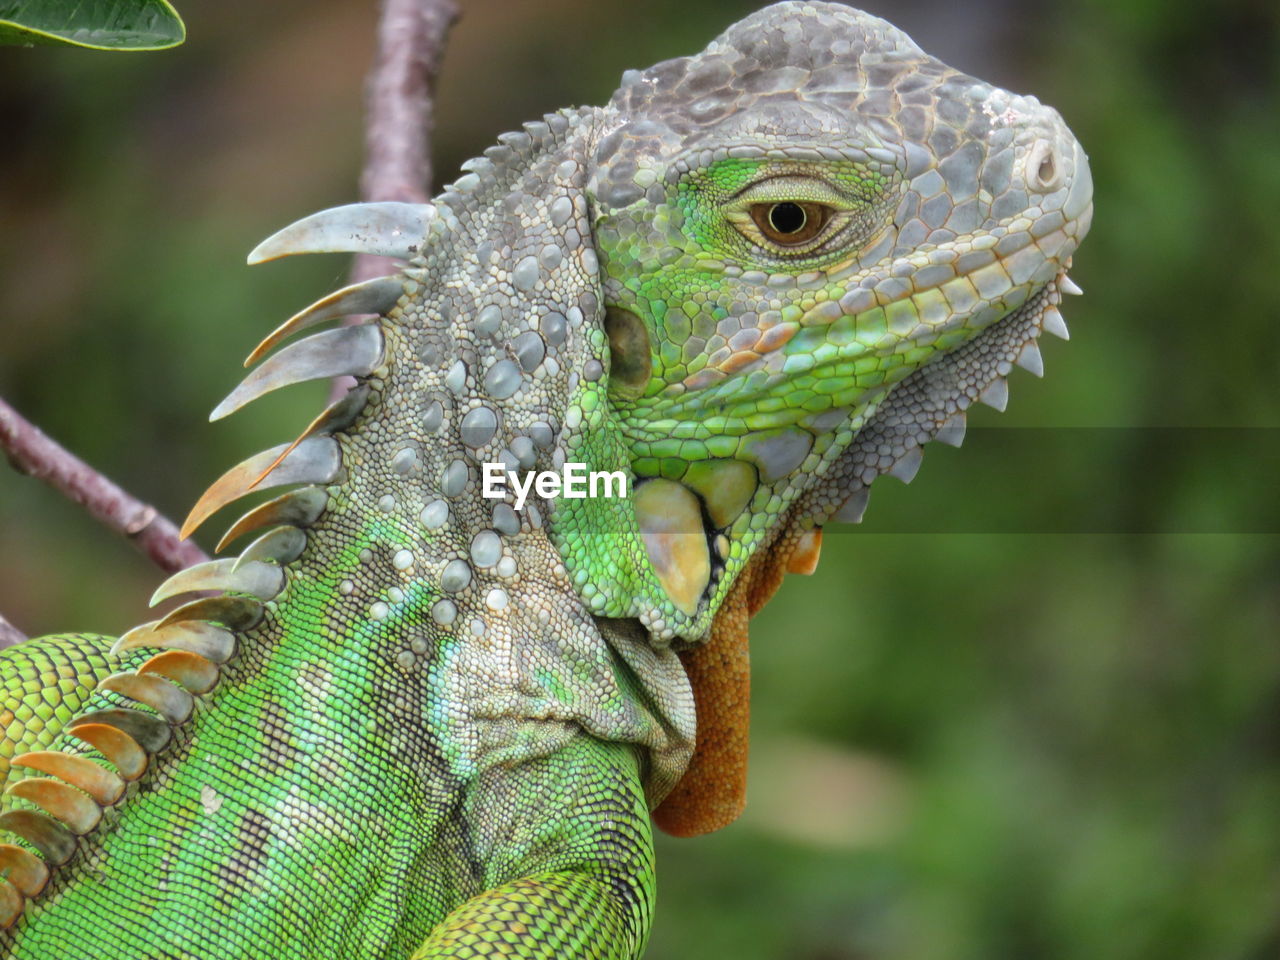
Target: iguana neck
<point>487,358</point>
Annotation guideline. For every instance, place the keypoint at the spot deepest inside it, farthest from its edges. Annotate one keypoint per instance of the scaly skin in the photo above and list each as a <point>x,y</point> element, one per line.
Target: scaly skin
<point>416,723</point>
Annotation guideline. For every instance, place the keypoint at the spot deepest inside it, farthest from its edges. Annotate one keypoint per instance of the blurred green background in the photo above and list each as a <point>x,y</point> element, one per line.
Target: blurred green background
<point>1028,710</point>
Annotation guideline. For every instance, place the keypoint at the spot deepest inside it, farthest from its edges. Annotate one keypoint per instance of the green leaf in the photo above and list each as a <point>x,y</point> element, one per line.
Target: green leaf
<point>98,24</point>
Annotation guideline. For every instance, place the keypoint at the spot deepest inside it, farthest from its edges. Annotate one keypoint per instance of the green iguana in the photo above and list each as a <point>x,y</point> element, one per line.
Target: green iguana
<point>413,721</point>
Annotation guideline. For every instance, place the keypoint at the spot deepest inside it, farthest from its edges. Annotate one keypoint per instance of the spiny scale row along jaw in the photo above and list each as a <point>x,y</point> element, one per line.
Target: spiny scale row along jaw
<point>797,219</point>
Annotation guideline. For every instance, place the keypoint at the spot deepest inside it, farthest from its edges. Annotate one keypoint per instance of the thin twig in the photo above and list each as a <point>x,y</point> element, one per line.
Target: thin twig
<point>398,111</point>
<point>399,115</point>
<point>30,451</point>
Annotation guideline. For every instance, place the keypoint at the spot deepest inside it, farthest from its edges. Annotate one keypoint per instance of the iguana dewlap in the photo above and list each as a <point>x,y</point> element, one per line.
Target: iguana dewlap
<point>410,720</point>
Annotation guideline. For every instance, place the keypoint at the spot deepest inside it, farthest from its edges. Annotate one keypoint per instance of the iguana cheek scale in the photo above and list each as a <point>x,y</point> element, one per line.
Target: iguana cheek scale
<point>412,721</point>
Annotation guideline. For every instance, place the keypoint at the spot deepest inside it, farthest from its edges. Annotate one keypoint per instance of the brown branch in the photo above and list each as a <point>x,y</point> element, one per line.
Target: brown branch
<point>399,113</point>
<point>399,116</point>
<point>31,452</point>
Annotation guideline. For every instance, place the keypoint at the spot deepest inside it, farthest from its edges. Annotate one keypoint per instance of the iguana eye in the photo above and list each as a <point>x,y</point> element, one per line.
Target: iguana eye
<point>790,223</point>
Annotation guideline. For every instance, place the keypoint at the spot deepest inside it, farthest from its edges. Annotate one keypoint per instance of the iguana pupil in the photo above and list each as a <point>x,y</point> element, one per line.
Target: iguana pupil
<point>790,223</point>
<point>787,217</point>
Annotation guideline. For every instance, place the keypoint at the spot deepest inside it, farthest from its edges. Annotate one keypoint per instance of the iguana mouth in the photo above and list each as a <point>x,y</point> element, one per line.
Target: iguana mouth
<point>929,405</point>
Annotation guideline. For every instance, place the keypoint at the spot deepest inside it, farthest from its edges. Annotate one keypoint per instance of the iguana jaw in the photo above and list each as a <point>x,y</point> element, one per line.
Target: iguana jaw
<point>931,403</point>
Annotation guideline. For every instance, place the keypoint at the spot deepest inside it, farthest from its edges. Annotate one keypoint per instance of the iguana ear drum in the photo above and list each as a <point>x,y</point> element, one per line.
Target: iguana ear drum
<point>631,362</point>
<point>670,521</point>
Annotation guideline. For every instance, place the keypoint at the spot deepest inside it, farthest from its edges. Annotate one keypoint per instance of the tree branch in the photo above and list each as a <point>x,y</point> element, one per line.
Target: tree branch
<point>31,452</point>
<point>399,116</point>
<point>398,113</point>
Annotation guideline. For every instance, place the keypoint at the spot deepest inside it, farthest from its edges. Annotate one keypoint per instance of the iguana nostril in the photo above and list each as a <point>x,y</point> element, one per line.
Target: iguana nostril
<point>1044,173</point>
<point>1047,171</point>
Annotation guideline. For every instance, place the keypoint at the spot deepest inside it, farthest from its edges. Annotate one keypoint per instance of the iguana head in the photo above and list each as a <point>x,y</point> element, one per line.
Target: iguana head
<point>789,225</point>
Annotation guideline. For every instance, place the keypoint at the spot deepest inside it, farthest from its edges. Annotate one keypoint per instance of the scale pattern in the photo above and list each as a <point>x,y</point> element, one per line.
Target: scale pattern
<point>44,684</point>
<point>414,721</point>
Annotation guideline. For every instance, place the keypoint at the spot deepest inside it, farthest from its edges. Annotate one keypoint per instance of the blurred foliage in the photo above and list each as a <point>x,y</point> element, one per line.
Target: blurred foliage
<point>1056,741</point>
<point>98,24</point>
